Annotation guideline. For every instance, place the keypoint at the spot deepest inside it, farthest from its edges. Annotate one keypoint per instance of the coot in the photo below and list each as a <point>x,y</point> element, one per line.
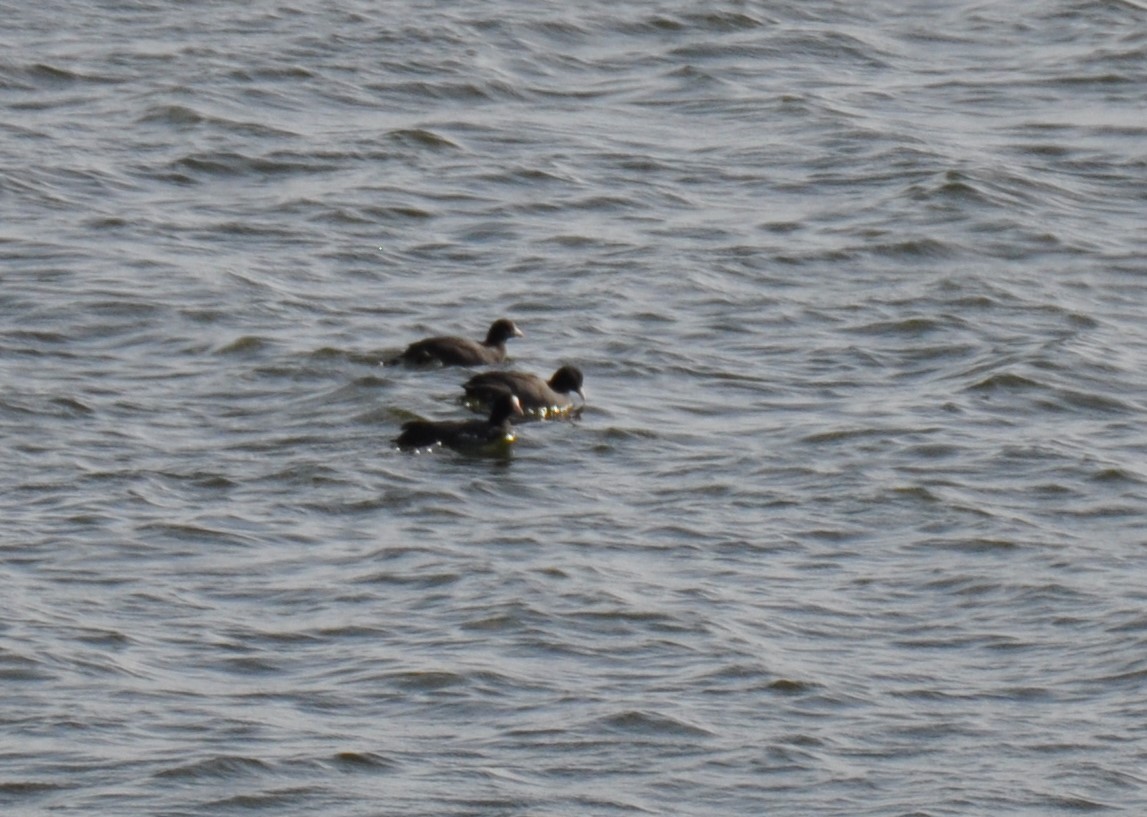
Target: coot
<point>537,396</point>
<point>451,351</point>
<point>464,435</point>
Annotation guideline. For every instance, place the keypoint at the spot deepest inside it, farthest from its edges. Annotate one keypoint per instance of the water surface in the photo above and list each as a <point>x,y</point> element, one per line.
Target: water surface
<point>852,523</point>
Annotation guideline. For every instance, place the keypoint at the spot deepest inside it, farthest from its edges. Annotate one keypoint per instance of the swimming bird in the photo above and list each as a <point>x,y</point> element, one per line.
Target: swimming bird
<point>452,351</point>
<point>538,397</point>
<point>474,436</point>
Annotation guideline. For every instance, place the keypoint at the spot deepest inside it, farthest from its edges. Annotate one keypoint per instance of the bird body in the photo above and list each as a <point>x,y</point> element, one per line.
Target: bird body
<point>454,351</point>
<point>476,436</point>
<point>538,397</point>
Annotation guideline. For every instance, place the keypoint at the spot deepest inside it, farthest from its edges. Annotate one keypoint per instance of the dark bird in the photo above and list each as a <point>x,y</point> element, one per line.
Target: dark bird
<point>538,397</point>
<point>451,351</point>
<point>474,436</point>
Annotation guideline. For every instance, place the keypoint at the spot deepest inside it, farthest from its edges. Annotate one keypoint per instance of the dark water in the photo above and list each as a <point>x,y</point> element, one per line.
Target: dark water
<point>852,523</point>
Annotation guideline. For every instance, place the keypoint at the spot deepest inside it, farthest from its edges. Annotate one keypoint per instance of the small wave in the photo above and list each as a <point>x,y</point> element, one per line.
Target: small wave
<point>971,544</point>
<point>788,686</point>
<point>239,165</point>
<point>916,249</point>
<point>421,138</point>
<point>24,789</point>
<point>182,117</point>
<point>837,435</point>
<point>722,21</point>
<point>44,75</point>
<point>273,801</point>
<point>245,345</point>
<point>70,407</point>
<point>653,724</point>
<point>1072,399</point>
<point>187,532</point>
<point>1118,475</point>
<point>363,761</point>
<point>614,433</point>
<point>912,327</point>
<point>1077,803</point>
<point>1051,397</point>
<point>452,91</point>
<point>372,215</point>
<point>247,666</point>
<point>178,115</point>
<point>1006,381</point>
<point>425,681</point>
<point>223,766</point>
<point>19,668</point>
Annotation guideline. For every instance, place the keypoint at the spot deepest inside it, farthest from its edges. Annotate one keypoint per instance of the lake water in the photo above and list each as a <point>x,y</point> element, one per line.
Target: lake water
<point>852,524</point>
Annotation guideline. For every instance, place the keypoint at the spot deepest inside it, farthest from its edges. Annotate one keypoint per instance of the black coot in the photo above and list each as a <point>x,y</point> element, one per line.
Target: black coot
<point>464,435</point>
<point>451,351</point>
<point>537,396</point>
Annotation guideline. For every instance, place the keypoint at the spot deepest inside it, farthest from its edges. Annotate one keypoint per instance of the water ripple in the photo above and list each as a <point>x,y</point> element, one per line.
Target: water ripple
<point>851,519</point>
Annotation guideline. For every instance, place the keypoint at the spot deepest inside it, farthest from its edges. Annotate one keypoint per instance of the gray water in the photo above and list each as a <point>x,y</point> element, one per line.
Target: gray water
<point>852,523</point>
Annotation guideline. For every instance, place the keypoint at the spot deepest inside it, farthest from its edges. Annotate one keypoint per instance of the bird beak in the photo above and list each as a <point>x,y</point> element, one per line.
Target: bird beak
<point>517,406</point>
<point>518,333</point>
<point>581,393</point>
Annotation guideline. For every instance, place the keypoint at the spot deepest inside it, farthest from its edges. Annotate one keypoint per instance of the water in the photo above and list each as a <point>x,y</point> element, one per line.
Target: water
<point>852,523</point>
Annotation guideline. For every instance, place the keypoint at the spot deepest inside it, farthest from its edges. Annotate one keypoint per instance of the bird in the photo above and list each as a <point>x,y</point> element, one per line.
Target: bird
<point>475,436</point>
<point>539,398</point>
<point>452,351</point>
